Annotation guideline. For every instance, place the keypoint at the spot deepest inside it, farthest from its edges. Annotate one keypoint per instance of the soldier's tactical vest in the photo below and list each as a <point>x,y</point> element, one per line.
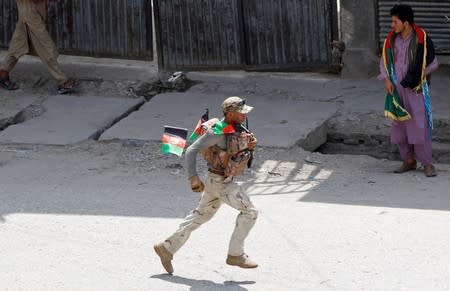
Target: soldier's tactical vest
<point>238,153</point>
<point>234,160</point>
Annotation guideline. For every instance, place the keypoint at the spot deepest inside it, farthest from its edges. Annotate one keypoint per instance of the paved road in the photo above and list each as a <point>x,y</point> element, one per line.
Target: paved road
<point>85,218</point>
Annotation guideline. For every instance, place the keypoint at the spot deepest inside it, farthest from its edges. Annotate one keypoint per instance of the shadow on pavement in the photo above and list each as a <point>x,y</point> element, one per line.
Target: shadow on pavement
<point>55,184</point>
<point>204,284</point>
<point>352,180</point>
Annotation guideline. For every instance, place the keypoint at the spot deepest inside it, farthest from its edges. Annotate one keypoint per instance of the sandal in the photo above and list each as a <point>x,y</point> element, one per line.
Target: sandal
<point>405,167</point>
<point>430,171</point>
<point>68,87</point>
<point>6,83</point>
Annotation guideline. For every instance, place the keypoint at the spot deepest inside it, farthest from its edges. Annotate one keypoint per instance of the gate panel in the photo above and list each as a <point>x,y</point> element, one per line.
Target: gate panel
<point>198,34</point>
<point>283,34</point>
<point>8,19</point>
<point>245,34</point>
<point>100,28</point>
<point>120,28</point>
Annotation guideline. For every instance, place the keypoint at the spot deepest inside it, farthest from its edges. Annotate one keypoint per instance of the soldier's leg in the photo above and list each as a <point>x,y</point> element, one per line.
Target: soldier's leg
<point>233,195</point>
<point>207,207</point>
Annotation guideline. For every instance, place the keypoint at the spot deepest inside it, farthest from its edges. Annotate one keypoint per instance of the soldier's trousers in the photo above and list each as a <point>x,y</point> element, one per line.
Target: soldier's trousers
<point>216,193</point>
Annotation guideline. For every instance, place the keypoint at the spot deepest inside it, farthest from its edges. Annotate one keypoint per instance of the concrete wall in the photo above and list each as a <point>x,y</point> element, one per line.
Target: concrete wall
<point>359,33</point>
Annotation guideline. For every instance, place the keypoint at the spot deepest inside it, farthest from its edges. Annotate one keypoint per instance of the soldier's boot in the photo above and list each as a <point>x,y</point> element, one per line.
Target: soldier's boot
<point>165,256</point>
<point>242,261</point>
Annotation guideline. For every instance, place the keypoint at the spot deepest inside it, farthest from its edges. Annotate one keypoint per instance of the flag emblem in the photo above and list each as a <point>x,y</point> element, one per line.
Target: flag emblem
<point>173,140</point>
<point>198,131</point>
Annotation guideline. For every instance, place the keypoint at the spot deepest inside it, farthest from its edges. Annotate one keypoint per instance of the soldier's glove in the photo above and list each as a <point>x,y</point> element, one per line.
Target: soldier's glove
<point>252,143</point>
<point>196,184</point>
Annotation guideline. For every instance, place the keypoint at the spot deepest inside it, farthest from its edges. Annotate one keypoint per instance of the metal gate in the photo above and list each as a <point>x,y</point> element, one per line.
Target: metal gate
<point>8,18</point>
<point>287,34</point>
<point>248,34</point>
<point>431,15</point>
<point>198,34</point>
<point>101,28</point>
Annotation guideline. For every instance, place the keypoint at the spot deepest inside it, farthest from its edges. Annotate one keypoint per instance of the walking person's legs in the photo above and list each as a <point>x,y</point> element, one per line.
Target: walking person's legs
<point>43,46</point>
<point>18,47</point>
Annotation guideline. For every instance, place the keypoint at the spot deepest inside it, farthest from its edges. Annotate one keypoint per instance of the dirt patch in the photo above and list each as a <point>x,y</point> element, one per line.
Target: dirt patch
<point>369,134</point>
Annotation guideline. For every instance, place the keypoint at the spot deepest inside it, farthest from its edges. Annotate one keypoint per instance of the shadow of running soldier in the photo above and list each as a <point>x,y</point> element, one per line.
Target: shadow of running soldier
<point>31,37</point>
<point>205,284</point>
<point>227,146</point>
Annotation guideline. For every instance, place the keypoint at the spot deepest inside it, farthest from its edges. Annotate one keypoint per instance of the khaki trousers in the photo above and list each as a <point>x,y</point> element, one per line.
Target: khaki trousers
<point>216,193</point>
<point>31,37</point>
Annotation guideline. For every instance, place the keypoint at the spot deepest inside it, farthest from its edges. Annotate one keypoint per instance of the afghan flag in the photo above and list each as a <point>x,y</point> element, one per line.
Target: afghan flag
<point>173,140</point>
<point>222,127</point>
<point>198,131</point>
<point>393,107</point>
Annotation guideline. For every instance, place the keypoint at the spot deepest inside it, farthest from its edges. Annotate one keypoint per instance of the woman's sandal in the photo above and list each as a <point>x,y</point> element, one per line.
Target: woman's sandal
<point>68,87</point>
<point>7,84</point>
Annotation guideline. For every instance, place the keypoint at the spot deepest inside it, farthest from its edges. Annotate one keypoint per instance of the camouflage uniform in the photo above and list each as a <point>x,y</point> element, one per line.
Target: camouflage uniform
<point>216,193</point>
<point>218,190</point>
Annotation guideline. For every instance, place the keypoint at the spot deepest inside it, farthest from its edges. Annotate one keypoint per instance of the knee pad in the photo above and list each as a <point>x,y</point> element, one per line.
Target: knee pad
<point>253,214</point>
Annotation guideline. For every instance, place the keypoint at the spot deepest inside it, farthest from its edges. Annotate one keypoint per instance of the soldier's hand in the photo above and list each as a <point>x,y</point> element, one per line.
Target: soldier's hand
<point>196,184</point>
<point>252,143</point>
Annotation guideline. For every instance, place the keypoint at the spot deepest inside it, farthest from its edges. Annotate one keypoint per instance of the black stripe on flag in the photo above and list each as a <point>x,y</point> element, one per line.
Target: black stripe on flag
<point>176,131</point>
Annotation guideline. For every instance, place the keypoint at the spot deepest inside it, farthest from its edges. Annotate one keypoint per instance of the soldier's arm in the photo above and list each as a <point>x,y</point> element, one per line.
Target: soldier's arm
<point>203,142</point>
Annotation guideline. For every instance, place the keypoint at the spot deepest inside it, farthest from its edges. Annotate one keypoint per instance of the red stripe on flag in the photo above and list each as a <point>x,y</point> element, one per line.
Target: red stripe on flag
<point>173,140</point>
<point>229,129</point>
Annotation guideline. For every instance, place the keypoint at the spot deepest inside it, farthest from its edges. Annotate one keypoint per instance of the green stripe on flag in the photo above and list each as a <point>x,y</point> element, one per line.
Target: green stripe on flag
<point>193,137</point>
<point>171,149</point>
<point>222,127</point>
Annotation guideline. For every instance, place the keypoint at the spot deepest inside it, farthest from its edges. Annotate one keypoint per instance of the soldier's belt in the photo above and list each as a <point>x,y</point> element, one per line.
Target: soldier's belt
<point>217,172</point>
